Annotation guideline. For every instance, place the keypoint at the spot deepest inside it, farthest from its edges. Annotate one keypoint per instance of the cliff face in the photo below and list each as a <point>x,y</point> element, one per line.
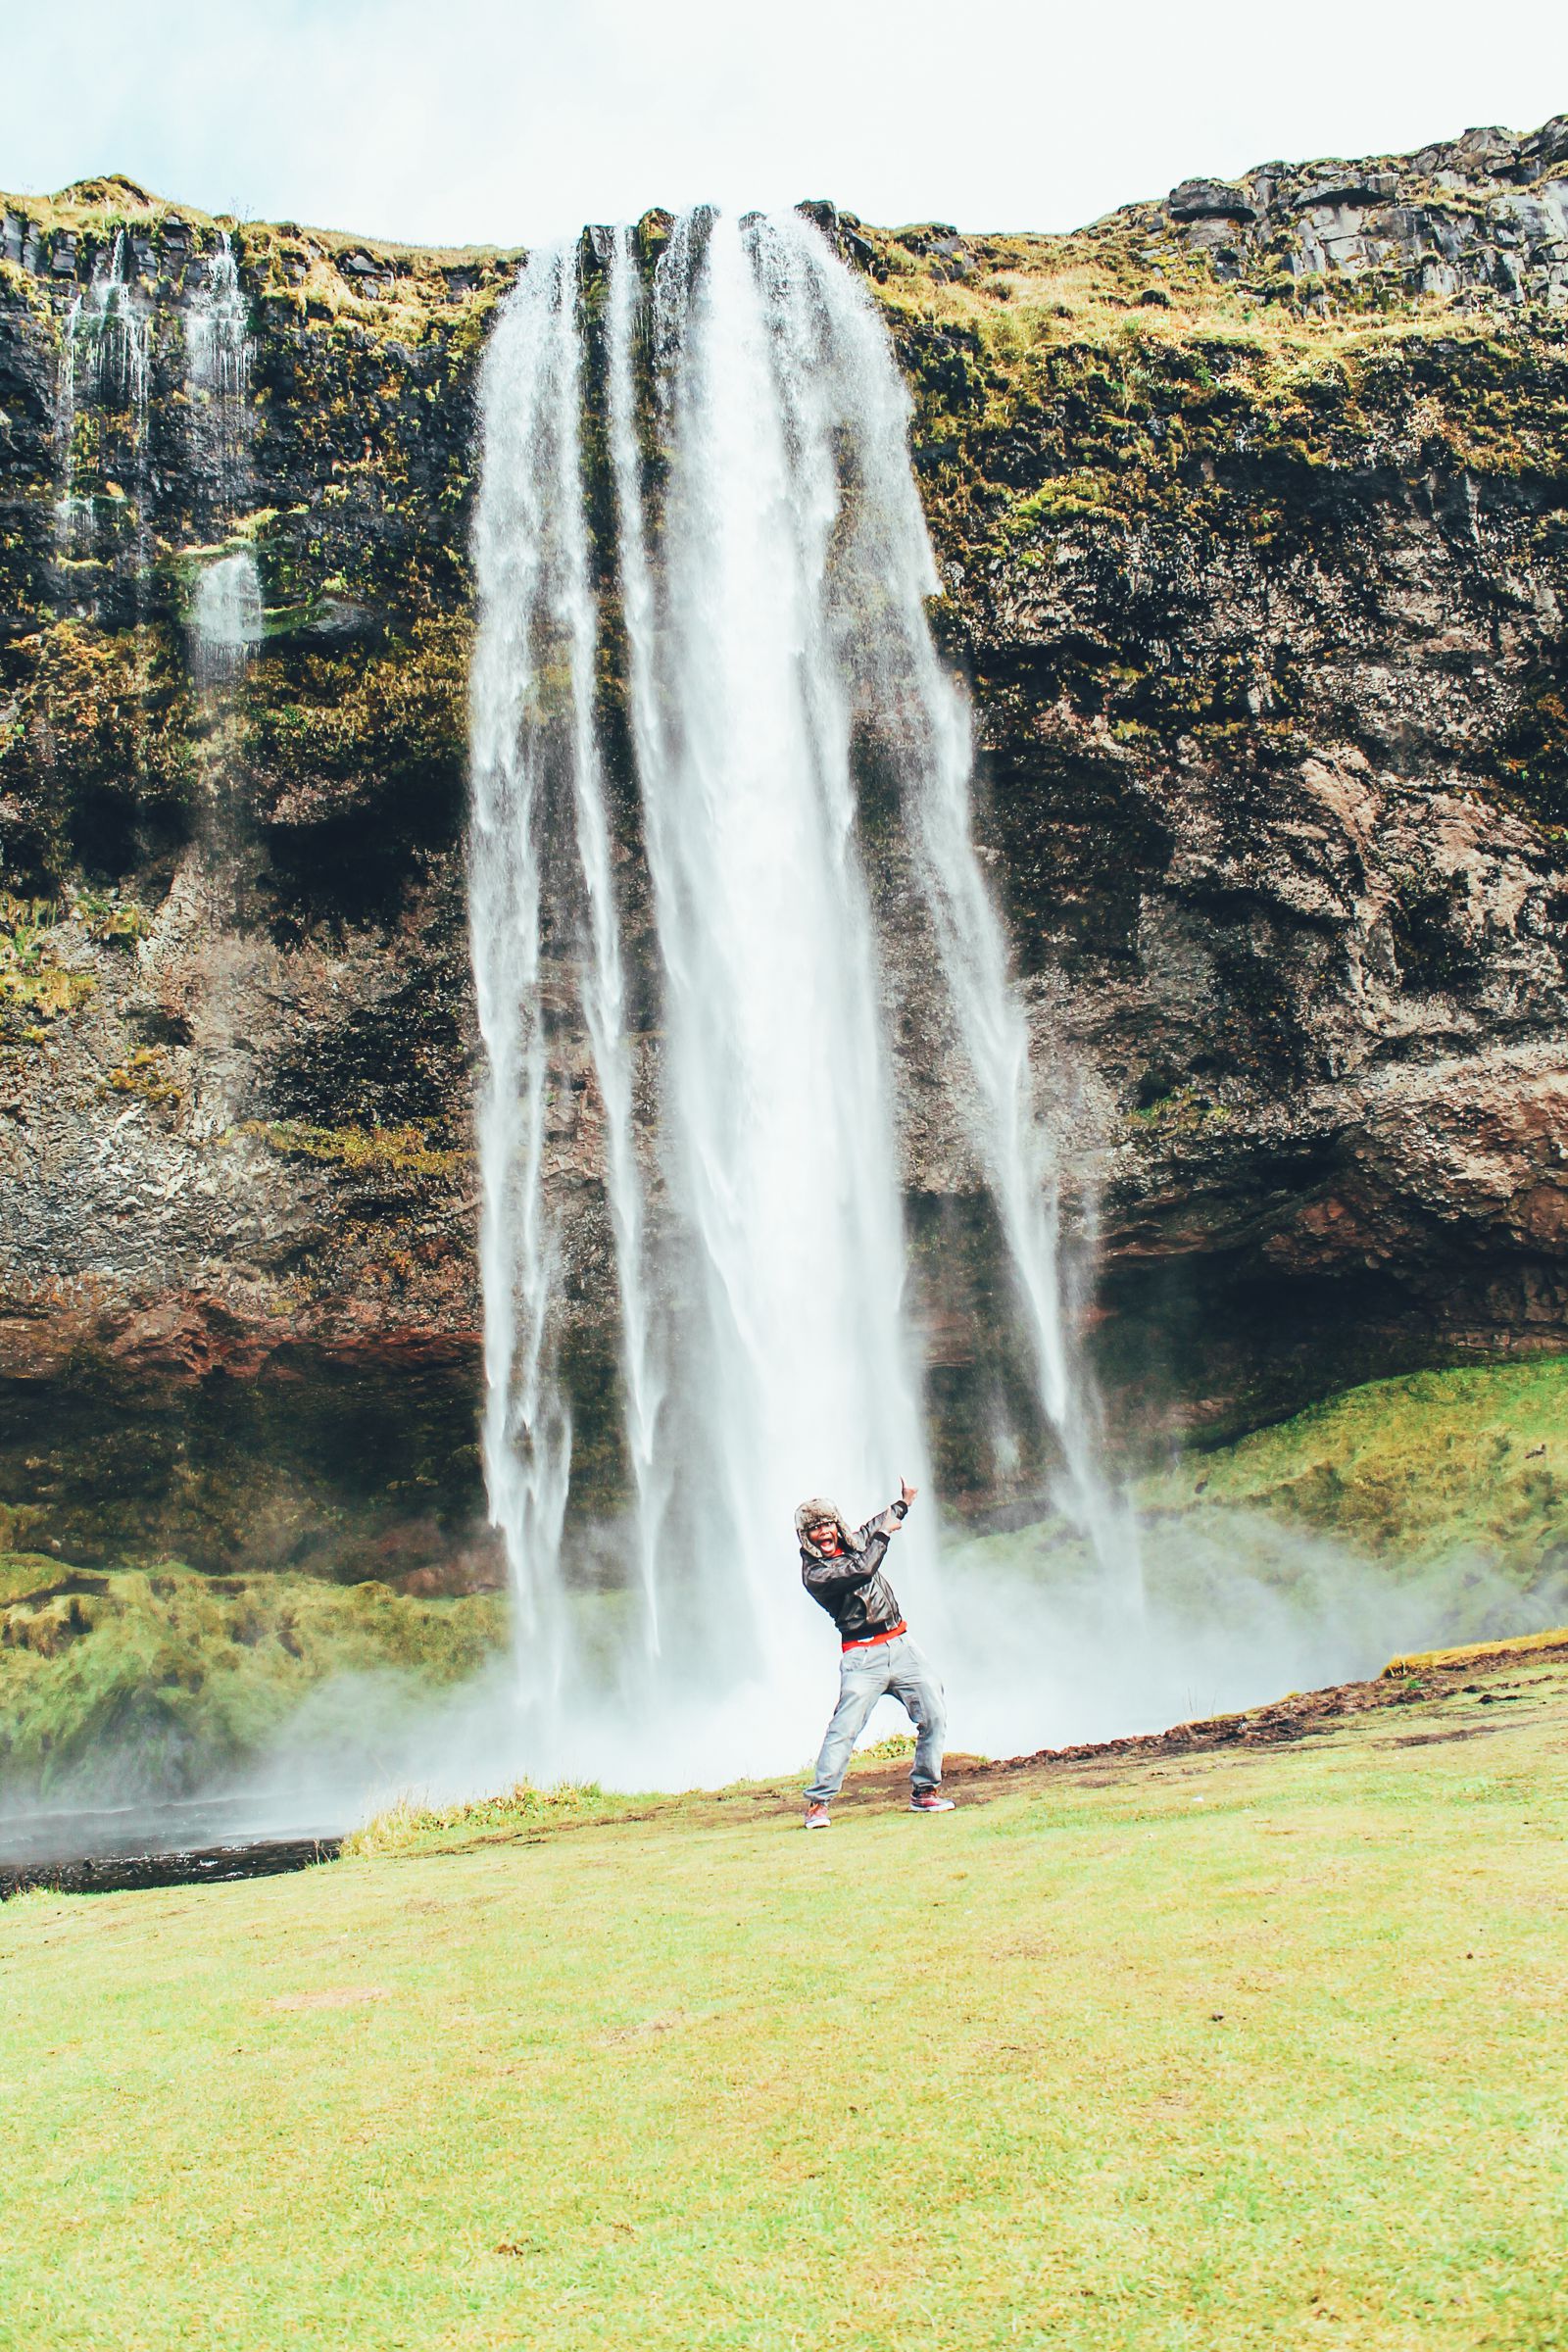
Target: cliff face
<point>1251,509</point>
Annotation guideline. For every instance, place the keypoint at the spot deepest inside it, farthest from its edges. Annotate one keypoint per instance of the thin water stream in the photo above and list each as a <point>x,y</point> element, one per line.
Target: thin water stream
<point>104,357</point>
<point>226,623</point>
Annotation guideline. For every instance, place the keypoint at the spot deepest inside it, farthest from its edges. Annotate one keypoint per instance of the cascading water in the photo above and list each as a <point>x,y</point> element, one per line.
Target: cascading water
<point>796,1372</point>
<point>772,568</point>
<point>226,619</point>
<point>218,375</point>
<point>538,778</point>
<point>226,615</point>
<point>226,623</point>
<point>914,711</point>
<point>105,354</point>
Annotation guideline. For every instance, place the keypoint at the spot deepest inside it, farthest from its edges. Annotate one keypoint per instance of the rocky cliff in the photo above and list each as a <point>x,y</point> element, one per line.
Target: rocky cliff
<point>1251,509</point>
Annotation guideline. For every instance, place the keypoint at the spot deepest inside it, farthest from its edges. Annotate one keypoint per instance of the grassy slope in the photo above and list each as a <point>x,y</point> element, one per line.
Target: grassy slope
<point>186,1672</point>
<point>1472,1460</point>
<point>1225,2051</point>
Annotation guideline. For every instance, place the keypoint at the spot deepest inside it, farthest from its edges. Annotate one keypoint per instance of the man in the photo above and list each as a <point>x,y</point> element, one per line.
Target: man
<point>842,1569</point>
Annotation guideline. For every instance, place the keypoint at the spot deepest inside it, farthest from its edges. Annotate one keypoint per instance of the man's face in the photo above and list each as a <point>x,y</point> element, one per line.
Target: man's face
<point>826,1535</point>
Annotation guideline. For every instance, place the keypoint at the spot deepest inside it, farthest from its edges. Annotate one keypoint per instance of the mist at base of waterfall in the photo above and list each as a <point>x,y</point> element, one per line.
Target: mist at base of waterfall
<point>1240,1610</point>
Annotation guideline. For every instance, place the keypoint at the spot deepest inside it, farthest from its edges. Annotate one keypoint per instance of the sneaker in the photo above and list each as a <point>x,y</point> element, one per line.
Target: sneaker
<point>930,1800</point>
<point>818,1817</point>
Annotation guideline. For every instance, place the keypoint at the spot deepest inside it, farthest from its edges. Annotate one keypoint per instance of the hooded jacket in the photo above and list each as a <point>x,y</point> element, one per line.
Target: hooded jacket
<point>852,1587</point>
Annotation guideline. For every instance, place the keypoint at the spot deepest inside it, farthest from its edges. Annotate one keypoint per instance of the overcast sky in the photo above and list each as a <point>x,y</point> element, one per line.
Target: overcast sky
<point>505,121</point>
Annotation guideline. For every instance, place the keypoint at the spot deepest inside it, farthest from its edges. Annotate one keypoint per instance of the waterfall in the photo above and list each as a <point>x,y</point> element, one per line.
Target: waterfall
<point>538,783</point>
<point>218,373</point>
<point>921,721</point>
<point>761,568</point>
<point>226,622</point>
<point>105,352</point>
<point>225,617</point>
<point>797,1374</point>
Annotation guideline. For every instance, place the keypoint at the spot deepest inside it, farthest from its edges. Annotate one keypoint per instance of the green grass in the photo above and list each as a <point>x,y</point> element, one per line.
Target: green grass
<point>1434,1464</point>
<point>1226,2051</point>
<point>182,1675</point>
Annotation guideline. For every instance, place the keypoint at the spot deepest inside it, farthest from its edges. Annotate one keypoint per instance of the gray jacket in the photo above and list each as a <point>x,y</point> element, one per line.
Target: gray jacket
<point>851,1586</point>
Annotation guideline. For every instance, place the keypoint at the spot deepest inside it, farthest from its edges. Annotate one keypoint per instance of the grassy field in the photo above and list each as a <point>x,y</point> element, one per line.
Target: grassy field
<point>1256,2047</point>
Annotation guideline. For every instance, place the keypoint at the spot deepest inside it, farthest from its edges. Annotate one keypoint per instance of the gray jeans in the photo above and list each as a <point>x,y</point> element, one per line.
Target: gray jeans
<point>866,1676</point>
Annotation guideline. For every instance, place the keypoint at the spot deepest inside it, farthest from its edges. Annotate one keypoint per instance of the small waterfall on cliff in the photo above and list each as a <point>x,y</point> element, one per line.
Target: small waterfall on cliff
<point>105,354</point>
<point>225,624</point>
<point>226,614</point>
<point>764,541</point>
<point>226,619</point>
<point>217,371</point>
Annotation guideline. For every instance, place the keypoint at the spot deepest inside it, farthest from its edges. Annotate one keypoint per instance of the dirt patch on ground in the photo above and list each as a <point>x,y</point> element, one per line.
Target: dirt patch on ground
<point>1304,1715</point>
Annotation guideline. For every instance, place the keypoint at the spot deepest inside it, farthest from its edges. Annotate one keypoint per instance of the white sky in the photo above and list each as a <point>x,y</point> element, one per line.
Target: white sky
<point>484,122</point>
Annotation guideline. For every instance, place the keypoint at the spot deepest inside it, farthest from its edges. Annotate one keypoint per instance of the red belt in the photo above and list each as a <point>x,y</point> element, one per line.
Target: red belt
<point>892,1633</point>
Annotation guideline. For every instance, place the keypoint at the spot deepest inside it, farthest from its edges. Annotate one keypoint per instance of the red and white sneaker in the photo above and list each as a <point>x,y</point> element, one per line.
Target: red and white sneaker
<point>931,1800</point>
<point>818,1817</point>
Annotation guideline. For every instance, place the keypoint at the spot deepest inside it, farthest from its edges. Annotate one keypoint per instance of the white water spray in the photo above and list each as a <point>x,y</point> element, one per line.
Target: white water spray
<point>226,618</point>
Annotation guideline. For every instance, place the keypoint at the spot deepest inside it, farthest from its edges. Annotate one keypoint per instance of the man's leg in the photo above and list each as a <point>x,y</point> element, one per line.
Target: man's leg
<point>861,1686</point>
<point>913,1683</point>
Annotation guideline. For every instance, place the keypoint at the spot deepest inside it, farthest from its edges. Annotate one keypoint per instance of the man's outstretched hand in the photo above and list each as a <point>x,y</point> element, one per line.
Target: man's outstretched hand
<point>910,1492</point>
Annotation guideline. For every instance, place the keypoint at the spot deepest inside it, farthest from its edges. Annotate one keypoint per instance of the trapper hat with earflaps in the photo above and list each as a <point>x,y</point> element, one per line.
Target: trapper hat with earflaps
<point>811,1514</point>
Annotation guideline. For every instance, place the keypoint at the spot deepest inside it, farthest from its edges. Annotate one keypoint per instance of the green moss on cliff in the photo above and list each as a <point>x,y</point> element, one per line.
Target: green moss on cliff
<point>172,1677</point>
<point>1471,1462</point>
<point>40,980</point>
<point>105,718</point>
<point>401,1151</point>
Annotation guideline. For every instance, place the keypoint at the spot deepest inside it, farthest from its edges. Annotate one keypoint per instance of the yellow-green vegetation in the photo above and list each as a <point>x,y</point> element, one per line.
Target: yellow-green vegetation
<point>389,296</point>
<point>120,710</point>
<point>407,1151</point>
<point>37,985</point>
<point>179,1675</point>
<point>524,1810</point>
<point>1235,2051</point>
<point>338,714</point>
<point>1431,1464</point>
<point>145,1075</point>
<point>1475,1653</point>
